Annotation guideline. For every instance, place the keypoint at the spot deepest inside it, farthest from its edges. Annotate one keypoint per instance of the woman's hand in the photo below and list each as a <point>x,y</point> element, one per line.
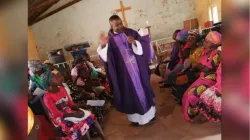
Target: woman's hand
<point>77,114</point>
<point>75,108</point>
<point>92,94</point>
<point>197,66</point>
<point>84,106</point>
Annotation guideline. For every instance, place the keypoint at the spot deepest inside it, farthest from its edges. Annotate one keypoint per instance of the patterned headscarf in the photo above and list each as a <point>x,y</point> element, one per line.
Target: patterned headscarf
<point>214,37</point>
<point>182,35</point>
<point>34,65</point>
<point>192,35</point>
<point>46,77</point>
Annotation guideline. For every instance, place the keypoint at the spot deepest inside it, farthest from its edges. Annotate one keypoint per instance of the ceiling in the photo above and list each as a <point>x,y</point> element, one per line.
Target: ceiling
<point>41,9</point>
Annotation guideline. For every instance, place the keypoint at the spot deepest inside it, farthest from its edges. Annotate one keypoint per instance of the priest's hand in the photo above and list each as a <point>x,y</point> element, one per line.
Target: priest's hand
<point>131,40</point>
<point>103,39</point>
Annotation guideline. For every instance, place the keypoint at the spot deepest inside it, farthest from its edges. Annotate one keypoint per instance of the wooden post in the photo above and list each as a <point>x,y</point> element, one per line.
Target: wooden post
<point>149,32</point>
<point>32,50</point>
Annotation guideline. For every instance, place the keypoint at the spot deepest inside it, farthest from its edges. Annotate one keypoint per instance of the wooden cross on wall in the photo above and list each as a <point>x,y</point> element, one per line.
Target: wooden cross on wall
<point>122,10</point>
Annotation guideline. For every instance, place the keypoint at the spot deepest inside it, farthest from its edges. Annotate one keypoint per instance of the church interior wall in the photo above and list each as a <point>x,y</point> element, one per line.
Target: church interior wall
<point>84,20</point>
<point>203,9</point>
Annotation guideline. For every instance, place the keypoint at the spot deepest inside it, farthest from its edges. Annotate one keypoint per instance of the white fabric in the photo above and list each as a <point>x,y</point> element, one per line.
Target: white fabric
<point>39,93</point>
<point>91,65</point>
<point>95,102</point>
<point>187,64</point>
<point>79,81</point>
<point>103,51</point>
<point>143,31</point>
<point>142,119</point>
<point>31,85</point>
<point>138,48</point>
<point>76,120</point>
<point>219,48</point>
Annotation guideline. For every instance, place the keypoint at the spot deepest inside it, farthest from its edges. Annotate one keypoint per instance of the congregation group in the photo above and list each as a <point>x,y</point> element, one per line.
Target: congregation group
<point>193,72</point>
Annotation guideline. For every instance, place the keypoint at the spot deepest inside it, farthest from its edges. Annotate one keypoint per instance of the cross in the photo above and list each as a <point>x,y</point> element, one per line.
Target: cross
<point>123,9</point>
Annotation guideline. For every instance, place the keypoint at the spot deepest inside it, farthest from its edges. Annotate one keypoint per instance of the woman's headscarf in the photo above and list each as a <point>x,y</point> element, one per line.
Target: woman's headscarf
<point>46,77</point>
<point>182,35</point>
<point>214,37</point>
<point>34,65</point>
<point>192,35</point>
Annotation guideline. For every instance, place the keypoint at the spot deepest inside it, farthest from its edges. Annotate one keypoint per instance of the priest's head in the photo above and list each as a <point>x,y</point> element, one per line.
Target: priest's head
<point>116,24</point>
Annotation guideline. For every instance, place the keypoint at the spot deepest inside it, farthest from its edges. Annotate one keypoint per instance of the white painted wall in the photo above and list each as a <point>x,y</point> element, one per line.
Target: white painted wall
<point>84,21</point>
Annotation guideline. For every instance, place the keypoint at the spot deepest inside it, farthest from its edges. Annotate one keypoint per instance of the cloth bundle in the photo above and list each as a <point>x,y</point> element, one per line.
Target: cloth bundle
<point>76,120</point>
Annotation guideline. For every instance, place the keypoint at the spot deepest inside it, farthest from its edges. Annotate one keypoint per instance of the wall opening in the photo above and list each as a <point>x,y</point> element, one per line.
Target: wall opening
<point>214,13</point>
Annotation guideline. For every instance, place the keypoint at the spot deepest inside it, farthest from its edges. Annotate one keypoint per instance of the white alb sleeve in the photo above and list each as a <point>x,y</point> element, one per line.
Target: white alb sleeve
<point>138,48</point>
<point>103,52</point>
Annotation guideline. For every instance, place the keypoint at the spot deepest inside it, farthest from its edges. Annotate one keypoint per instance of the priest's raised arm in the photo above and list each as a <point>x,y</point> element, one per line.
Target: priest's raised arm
<point>103,51</point>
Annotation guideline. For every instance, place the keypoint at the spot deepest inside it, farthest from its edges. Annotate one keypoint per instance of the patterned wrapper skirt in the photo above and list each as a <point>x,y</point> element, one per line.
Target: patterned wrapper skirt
<point>209,104</point>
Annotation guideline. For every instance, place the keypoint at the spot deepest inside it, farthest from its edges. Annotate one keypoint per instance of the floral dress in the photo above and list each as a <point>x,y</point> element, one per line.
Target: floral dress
<point>206,80</point>
<point>60,103</point>
<point>209,104</point>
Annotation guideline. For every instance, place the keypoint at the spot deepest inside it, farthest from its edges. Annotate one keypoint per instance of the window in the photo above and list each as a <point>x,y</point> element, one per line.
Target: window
<point>214,13</point>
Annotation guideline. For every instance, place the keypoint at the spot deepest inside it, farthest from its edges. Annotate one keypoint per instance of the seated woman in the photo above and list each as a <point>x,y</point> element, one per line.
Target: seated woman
<point>36,70</point>
<point>81,75</point>
<point>64,71</point>
<point>187,76</point>
<point>161,67</point>
<point>97,72</point>
<point>184,50</point>
<point>80,96</point>
<point>209,104</point>
<point>72,122</point>
<point>208,64</point>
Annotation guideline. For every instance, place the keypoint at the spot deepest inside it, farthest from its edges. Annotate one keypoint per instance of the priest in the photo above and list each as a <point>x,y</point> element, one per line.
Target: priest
<point>127,71</point>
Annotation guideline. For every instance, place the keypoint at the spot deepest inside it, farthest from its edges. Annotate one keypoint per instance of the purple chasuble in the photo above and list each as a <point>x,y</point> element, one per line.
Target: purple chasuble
<point>148,51</point>
<point>128,74</point>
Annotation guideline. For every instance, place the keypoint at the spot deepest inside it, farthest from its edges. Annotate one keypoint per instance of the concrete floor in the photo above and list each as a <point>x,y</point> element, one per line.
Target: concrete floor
<point>169,125</point>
